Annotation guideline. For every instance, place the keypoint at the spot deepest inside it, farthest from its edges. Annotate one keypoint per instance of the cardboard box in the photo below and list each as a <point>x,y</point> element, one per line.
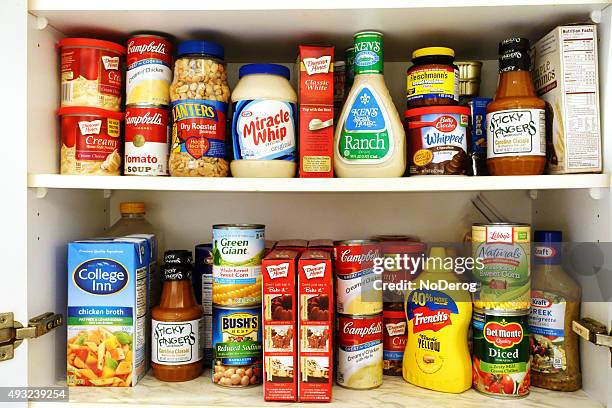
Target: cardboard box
<point>279,270</point>
<point>566,76</point>
<point>316,100</point>
<point>324,244</point>
<point>315,325</point>
<point>107,312</point>
<point>299,245</point>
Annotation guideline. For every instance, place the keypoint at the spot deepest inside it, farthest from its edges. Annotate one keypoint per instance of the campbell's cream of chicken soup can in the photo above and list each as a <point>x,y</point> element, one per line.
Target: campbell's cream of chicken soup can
<point>360,351</point>
<point>149,70</point>
<point>147,134</point>
<point>357,289</point>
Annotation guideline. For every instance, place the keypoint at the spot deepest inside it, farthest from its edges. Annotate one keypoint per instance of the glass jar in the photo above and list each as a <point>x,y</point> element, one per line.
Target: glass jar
<point>433,79</point>
<point>199,96</point>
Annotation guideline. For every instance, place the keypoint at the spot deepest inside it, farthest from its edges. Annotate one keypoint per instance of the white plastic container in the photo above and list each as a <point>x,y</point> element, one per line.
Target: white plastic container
<point>264,133</point>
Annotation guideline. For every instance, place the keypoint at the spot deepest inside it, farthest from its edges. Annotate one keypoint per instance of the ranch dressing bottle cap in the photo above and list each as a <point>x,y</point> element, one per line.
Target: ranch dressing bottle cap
<point>368,53</point>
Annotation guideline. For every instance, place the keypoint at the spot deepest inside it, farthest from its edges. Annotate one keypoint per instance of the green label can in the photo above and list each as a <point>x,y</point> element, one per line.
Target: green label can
<point>368,53</point>
<point>501,357</point>
<point>502,254</point>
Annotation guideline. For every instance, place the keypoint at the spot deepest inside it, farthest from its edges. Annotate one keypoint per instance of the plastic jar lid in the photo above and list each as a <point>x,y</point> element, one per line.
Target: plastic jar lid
<point>132,208</point>
<point>88,111</point>
<point>429,51</point>
<point>461,110</point>
<point>92,42</point>
<point>201,47</point>
<point>270,69</point>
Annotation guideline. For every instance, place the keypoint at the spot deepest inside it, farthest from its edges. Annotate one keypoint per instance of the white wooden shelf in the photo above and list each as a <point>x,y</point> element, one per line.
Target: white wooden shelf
<point>332,185</point>
<point>394,392</point>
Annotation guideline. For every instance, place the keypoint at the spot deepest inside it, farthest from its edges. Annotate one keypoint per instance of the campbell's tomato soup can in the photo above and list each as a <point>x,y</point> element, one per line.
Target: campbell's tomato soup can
<point>91,73</point>
<point>358,286</point>
<point>149,70</point>
<point>360,351</point>
<point>395,335</point>
<point>91,141</point>
<point>147,134</point>
<point>501,353</point>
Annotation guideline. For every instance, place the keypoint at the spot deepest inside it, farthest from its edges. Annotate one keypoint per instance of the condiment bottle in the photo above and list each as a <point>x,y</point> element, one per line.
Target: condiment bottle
<point>369,140</point>
<point>555,303</point>
<point>437,355</point>
<point>516,142</point>
<point>176,351</point>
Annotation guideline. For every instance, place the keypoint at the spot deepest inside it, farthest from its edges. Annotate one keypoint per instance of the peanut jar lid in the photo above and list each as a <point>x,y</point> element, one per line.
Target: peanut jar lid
<point>201,47</point>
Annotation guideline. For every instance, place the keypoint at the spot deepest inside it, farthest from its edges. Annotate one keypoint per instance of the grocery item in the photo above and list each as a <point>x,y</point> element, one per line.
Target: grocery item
<point>315,325</point>
<point>357,291</point>
<point>299,245</point>
<point>202,286</point>
<point>437,355</point>
<point>438,138</point>
<point>555,303</point>
<point>149,70</point>
<point>478,132</point>
<point>90,73</point>
<point>199,95</point>
<point>317,96</point>
<point>566,77</point>
<point>280,325</point>
<point>176,332</point>
<point>469,78</point>
<point>516,142</point>
<point>237,348</point>
<point>323,244</point>
<point>360,351</point>
<point>91,141</point>
<point>107,312</point>
<point>433,79</point>
<point>369,139</point>
<point>147,134</point>
<point>264,122</point>
<point>504,274</point>
<point>237,253</point>
<point>501,353</point>
<point>395,336</point>
<point>339,87</point>
<point>395,237</point>
<point>407,264</point>
<point>349,55</point>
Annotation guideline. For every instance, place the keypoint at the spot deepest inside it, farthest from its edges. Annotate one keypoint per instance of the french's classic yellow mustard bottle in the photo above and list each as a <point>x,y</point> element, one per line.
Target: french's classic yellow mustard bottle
<point>437,355</point>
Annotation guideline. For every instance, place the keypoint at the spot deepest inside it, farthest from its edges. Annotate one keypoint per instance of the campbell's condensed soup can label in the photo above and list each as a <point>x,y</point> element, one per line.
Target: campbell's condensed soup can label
<point>149,70</point>
<point>147,134</point>
<point>358,287</point>
<point>360,351</point>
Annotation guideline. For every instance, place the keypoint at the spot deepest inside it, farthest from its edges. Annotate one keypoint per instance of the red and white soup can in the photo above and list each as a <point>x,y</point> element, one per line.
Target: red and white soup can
<point>360,351</point>
<point>147,132</point>
<point>149,70</point>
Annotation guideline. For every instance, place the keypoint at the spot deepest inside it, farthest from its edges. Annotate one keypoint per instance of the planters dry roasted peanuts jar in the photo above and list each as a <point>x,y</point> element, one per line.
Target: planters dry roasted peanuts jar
<point>433,79</point>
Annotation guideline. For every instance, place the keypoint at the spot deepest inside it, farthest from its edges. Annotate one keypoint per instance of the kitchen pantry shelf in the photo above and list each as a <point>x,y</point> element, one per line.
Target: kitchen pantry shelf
<point>394,392</point>
<point>334,185</point>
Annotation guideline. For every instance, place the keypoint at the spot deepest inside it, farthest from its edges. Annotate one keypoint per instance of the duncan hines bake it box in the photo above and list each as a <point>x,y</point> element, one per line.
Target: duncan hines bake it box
<point>565,75</point>
<point>315,325</point>
<point>316,99</point>
<point>279,270</point>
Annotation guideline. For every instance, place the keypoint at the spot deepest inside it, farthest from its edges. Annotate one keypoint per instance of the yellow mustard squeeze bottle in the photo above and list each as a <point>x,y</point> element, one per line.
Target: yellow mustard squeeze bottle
<point>438,311</point>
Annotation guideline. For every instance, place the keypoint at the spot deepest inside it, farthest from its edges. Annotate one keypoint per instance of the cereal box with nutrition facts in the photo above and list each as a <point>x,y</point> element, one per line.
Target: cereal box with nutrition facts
<point>107,311</point>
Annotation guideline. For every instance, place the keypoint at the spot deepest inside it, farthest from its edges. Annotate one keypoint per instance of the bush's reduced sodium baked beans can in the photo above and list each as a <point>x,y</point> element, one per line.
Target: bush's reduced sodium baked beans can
<point>357,292</point>
<point>237,347</point>
<point>237,253</point>
<point>360,351</point>
<point>501,358</point>
<point>147,134</point>
<point>149,70</point>
<point>502,254</point>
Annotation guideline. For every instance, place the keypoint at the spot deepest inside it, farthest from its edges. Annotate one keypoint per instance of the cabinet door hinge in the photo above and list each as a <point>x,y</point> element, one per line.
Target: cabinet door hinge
<point>13,333</point>
<point>594,332</point>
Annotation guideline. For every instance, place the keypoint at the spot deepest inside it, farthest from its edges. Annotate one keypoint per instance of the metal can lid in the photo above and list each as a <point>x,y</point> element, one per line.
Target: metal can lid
<point>500,224</point>
<point>239,226</point>
<point>357,242</point>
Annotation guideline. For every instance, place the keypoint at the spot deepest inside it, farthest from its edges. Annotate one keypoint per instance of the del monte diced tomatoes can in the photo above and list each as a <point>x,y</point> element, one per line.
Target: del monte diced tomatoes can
<point>501,358</point>
<point>360,351</point>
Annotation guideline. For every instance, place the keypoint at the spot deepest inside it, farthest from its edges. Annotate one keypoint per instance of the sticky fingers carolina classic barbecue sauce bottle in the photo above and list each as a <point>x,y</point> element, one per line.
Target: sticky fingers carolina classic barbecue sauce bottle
<point>176,323</point>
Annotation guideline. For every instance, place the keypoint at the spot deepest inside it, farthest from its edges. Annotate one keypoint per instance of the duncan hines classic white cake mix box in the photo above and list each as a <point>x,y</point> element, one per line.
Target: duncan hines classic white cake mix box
<point>565,75</point>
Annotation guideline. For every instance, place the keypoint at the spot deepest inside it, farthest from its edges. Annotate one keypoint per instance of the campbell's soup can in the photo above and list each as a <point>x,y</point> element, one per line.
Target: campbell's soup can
<point>360,351</point>
<point>358,286</point>
<point>147,133</point>
<point>237,253</point>
<point>149,70</point>
<point>402,263</point>
<point>501,357</point>
<point>395,335</point>
<point>502,256</point>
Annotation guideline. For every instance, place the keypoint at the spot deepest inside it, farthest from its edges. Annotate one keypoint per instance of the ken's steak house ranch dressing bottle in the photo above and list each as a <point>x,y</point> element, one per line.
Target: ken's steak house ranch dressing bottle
<point>369,139</point>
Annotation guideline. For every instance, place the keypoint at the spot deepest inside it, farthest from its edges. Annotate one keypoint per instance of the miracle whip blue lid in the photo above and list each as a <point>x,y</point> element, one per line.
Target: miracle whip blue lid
<point>547,247</point>
<point>201,47</point>
<point>272,69</point>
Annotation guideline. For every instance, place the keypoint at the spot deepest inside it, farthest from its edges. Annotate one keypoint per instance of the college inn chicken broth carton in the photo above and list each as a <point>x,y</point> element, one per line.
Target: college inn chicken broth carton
<point>107,311</point>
